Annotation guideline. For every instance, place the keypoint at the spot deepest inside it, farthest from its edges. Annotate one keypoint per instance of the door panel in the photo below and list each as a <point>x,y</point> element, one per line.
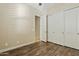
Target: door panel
<point>52,37</point>
<point>77,28</point>
<point>70,28</point>
<point>43,28</point>
<point>56,28</point>
<point>57,37</point>
<point>71,40</point>
<point>77,42</point>
<point>60,38</point>
<point>70,21</point>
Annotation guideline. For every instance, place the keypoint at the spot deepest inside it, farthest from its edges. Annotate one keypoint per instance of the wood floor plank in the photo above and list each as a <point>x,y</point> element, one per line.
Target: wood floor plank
<point>42,49</point>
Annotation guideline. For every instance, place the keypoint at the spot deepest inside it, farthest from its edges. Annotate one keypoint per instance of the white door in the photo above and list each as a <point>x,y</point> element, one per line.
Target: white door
<point>52,37</point>
<point>59,28</point>
<point>60,38</point>
<point>43,28</point>
<point>77,46</point>
<point>70,28</point>
<point>51,28</point>
<point>56,28</point>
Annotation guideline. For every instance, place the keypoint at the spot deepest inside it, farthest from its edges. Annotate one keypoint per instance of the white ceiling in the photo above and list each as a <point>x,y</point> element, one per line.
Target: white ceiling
<point>44,6</point>
<point>36,5</point>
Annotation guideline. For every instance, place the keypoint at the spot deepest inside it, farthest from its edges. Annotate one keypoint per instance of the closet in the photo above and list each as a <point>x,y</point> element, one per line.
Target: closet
<point>63,28</point>
<point>56,28</point>
<point>70,17</point>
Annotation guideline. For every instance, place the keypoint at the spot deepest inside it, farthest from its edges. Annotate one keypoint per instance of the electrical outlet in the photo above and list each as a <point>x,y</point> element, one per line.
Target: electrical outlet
<point>18,42</point>
<point>6,44</point>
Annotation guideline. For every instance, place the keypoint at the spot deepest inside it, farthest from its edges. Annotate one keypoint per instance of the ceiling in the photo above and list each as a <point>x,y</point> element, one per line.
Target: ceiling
<point>44,6</point>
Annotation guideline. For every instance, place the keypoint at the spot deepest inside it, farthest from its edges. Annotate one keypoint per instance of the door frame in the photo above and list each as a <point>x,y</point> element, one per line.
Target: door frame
<point>35,28</point>
<point>46,28</point>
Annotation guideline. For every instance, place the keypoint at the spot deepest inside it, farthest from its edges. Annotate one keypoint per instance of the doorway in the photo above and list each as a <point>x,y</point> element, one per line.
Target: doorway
<point>37,28</point>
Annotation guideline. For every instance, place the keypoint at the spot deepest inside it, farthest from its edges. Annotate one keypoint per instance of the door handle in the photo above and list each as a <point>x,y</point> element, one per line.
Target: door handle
<point>77,33</point>
<point>53,32</point>
<point>63,32</point>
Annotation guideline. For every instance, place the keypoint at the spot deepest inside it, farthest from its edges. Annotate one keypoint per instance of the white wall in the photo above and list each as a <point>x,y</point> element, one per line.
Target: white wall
<point>17,25</point>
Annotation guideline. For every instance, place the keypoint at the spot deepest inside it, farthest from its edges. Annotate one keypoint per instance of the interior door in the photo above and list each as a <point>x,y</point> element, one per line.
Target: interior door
<point>59,28</point>
<point>43,28</point>
<point>51,28</point>
<point>70,28</point>
<point>77,46</point>
<point>37,28</point>
<point>56,28</point>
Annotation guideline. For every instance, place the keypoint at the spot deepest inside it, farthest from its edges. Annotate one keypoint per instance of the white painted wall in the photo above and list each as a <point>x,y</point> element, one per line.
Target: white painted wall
<point>17,25</point>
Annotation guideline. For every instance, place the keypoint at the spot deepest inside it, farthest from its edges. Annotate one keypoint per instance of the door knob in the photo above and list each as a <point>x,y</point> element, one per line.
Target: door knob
<point>77,33</point>
<point>63,32</point>
<point>53,32</point>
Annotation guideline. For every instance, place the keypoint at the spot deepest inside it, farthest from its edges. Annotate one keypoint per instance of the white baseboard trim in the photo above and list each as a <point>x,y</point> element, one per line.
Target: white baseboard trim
<point>11,48</point>
<point>44,40</point>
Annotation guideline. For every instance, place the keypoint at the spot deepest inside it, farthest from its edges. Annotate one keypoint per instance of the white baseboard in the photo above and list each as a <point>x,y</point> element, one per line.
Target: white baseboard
<point>44,40</point>
<point>11,48</point>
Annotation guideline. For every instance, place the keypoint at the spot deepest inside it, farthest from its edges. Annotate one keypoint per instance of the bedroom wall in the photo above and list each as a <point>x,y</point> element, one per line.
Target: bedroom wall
<point>17,25</point>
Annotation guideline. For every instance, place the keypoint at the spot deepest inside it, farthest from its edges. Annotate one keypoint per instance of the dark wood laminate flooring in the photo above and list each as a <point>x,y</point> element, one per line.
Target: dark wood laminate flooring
<point>42,49</point>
